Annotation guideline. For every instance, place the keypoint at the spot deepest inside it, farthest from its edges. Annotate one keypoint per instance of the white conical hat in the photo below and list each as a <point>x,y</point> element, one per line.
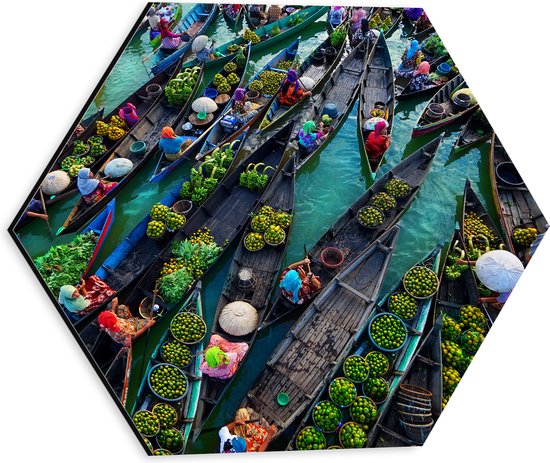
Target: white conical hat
<point>239,318</point>
<point>204,105</point>
<point>499,270</point>
<point>55,182</point>
<point>199,43</point>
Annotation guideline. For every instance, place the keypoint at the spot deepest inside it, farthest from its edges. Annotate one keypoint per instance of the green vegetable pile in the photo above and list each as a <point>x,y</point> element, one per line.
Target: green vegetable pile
<point>170,439</point>
<point>420,282</point>
<point>188,327</point>
<point>271,81</point>
<point>168,382</point>
<point>326,119</point>
<point>338,37</point>
<point>524,236</point>
<point>327,416</point>
<point>356,369</point>
<point>352,435</point>
<point>254,241</point>
<point>342,392</point>
<point>434,46</point>
<point>403,305</point>
<point>471,341</point>
<point>382,25</point>
<point>285,65</point>
<point>310,438</point>
<point>64,264</point>
<point>378,363</point>
<point>376,388</point>
<point>370,217</point>
<point>387,332</point>
<point>252,180</point>
<point>397,188</point>
<point>250,36</point>
<point>179,89</point>
<point>452,353</point>
<point>363,410</point>
<point>383,201</point>
<point>275,30</point>
<point>451,329</point>
<point>240,59</point>
<point>166,415</point>
<point>176,353</point>
<point>295,20</point>
<point>146,423</point>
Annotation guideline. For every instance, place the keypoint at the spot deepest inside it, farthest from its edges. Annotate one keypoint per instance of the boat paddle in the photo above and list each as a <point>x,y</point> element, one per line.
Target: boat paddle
<point>306,256</point>
<point>47,219</point>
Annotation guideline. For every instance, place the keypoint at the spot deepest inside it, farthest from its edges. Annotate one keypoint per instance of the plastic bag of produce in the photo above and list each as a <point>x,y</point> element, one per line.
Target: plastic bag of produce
<point>118,168</point>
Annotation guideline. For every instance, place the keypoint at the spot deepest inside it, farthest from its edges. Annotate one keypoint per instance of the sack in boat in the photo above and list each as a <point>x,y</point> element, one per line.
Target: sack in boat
<point>118,168</point>
<point>370,123</point>
<point>239,318</point>
<point>55,182</point>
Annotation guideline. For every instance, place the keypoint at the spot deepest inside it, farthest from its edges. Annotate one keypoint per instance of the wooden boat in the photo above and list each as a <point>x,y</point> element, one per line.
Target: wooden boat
<point>515,205</point>
<point>309,15</point>
<point>118,373</point>
<point>186,407</point>
<point>317,343</point>
<point>175,24</point>
<point>219,135</point>
<point>231,20</point>
<point>402,84</point>
<point>399,361</point>
<point>474,132</point>
<point>425,125</point>
<point>253,23</point>
<point>196,134</point>
<point>194,23</point>
<point>276,112</point>
<point>349,237</point>
<point>396,15</point>
<point>148,130</point>
<point>341,89</point>
<point>377,93</point>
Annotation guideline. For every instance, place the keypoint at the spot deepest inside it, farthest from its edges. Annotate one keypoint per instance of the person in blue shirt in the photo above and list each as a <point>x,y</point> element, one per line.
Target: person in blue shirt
<point>169,142</point>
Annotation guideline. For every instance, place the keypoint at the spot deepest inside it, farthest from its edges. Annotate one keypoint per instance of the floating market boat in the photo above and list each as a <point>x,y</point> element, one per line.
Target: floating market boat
<point>252,22</point>
<point>338,95</point>
<point>515,205</point>
<point>147,130</point>
<point>476,130</point>
<point>347,238</point>
<point>314,347</point>
<point>194,23</point>
<point>118,373</point>
<point>175,23</point>
<point>197,133</point>
<point>399,360</point>
<point>226,131</point>
<point>402,84</point>
<point>311,69</point>
<point>395,16</point>
<point>230,16</point>
<point>288,26</point>
<point>377,98</point>
<point>251,279</point>
<point>186,407</point>
<point>441,110</point>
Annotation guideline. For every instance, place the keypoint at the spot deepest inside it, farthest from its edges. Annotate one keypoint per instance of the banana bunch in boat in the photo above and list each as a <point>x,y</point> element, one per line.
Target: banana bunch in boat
<point>453,270</point>
<point>253,180</point>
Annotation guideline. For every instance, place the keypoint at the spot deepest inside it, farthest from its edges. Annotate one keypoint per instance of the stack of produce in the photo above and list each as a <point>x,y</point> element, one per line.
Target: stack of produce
<point>382,25</point>
<point>80,148</point>
<point>327,416</point>
<point>383,201</point>
<point>268,226</point>
<point>451,353</point>
<point>230,67</point>
<point>363,410</point>
<point>376,388</point>
<point>471,340</point>
<point>295,20</point>
<point>285,65</point>
<point>170,439</point>
<point>479,236</point>
<point>159,218</point>
<point>403,305</point>
<point>221,83</point>
<point>454,270</point>
<point>397,188</point>
<point>451,378</point>
<point>168,381</point>
<point>166,414</point>
<point>352,435</point>
<point>250,36</point>
<point>114,129</point>
<point>338,37</point>
<point>188,327</point>
<point>176,353</point>
<point>253,180</point>
<point>420,282</point>
<point>433,46</point>
<point>451,329</point>
<point>64,264</point>
<point>271,81</point>
<point>524,236</point>
<point>378,363</point>
<point>233,48</point>
<point>387,332</point>
<point>342,392</point>
<point>310,438</point>
<point>370,217</point>
<point>472,318</point>
<point>146,423</point>
<point>356,369</point>
<point>179,89</point>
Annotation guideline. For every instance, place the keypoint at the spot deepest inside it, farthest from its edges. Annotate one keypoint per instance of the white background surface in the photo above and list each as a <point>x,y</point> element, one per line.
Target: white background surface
<point>55,408</point>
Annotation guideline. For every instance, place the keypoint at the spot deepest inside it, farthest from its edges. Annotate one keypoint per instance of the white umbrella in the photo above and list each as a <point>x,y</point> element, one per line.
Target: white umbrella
<point>55,182</point>
<point>307,83</point>
<point>238,318</point>
<point>204,105</point>
<point>499,270</point>
<point>199,43</point>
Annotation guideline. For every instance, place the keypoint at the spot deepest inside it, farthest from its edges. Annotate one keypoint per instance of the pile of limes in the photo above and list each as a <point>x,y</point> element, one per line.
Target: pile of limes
<point>363,410</point>
<point>451,329</point>
<point>254,241</point>
<point>310,438</point>
<point>474,226</point>
<point>327,416</point>
<point>274,235</point>
<point>155,229</point>
<point>524,236</point>
<point>472,317</point>
<point>342,392</point>
<point>166,415</point>
<point>282,219</point>
<point>464,363</point>
<point>170,439</point>
<point>176,353</point>
<point>403,305</point>
<point>451,378</point>
<point>188,327</point>
<point>397,188</point>
<point>80,148</point>
<point>352,435</point>
<point>159,212</point>
<point>383,201</point>
<point>420,282</point>
<point>356,369</point>
<point>370,217</point>
<point>378,363</point>
<point>376,388</point>
<point>168,382</point>
<point>146,423</point>
<point>387,332</point>
<point>471,341</point>
<point>259,223</point>
<point>174,221</point>
<point>161,452</point>
<point>451,352</point>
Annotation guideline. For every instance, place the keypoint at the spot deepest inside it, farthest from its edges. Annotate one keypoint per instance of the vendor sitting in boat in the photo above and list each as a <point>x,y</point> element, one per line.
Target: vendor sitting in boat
<point>291,90</point>
<point>202,51</point>
<point>170,143</point>
<point>257,436</point>
<point>257,16</point>
<point>363,32</point>
<point>411,59</point>
<point>242,110</point>
<point>73,298</point>
<point>222,357</point>
<point>92,189</point>
<point>296,285</point>
<point>356,19</point>
<point>309,138</point>
<point>378,141</point>
<point>84,297</point>
<point>421,78</point>
<point>336,15</point>
<point>170,40</point>
<point>120,325</point>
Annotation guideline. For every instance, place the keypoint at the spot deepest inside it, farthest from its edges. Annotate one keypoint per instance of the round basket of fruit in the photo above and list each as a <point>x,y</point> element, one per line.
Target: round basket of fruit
<point>420,282</point>
<point>403,305</point>
<point>80,148</point>
<point>166,414</point>
<point>356,369</point>
<point>397,188</point>
<point>377,389</point>
<point>342,392</point>
<point>156,229</point>
<point>274,235</point>
<point>161,452</point>
<point>174,221</point>
<point>87,161</point>
<point>524,236</point>
<point>260,223</point>
<point>282,219</point>
<point>188,328</point>
<point>254,242</point>
<point>327,417</point>
<point>383,201</point>
<point>159,212</point>
<point>370,217</point>
<point>310,438</point>
<point>167,382</point>
<point>97,150</point>
<point>378,363</point>
<point>473,318</point>
<point>146,423</point>
<point>352,435</point>
<point>171,440</point>
<point>387,332</point>
<point>95,140</point>
<point>176,353</point>
<point>471,340</point>
<point>363,410</point>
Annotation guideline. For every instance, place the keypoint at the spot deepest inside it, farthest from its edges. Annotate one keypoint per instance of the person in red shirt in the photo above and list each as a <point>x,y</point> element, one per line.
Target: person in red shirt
<point>378,142</point>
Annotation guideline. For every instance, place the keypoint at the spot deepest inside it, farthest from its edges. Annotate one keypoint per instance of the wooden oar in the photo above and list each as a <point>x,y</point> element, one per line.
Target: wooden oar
<point>306,257</point>
<point>44,210</point>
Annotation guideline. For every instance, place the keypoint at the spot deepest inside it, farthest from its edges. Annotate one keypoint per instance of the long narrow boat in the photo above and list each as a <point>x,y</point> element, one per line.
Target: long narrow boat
<point>276,112</point>
<point>263,268</point>
<point>186,408</point>
<point>326,331</point>
<point>197,134</point>
<point>118,373</point>
<point>398,362</point>
<point>395,14</point>
<point>147,130</point>
<point>377,93</point>
<point>175,24</point>
<point>219,134</point>
<point>515,205</point>
<point>402,84</point>
<point>475,131</point>
<point>194,23</point>
<point>267,37</point>
<point>349,237</point>
<point>340,90</point>
<point>254,23</point>
<point>231,18</point>
<point>451,113</point>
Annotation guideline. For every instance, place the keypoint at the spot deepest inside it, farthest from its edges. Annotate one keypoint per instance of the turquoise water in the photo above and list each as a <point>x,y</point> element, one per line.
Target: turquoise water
<point>324,190</point>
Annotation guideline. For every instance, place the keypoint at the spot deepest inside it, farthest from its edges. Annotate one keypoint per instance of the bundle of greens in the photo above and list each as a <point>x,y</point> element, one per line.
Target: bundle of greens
<point>338,37</point>
<point>434,46</point>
